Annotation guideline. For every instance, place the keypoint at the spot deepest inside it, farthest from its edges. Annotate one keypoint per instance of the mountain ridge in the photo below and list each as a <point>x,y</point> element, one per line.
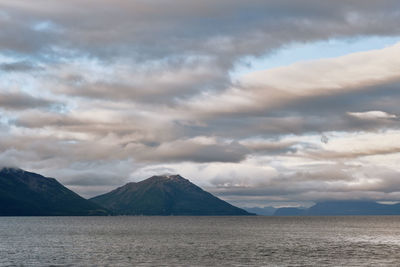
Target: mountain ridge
<point>24,193</point>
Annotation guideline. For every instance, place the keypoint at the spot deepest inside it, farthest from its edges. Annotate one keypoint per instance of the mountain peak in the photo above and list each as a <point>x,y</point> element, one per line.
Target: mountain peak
<point>169,177</point>
<point>11,170</point>
<point>168,194</point>
<point>26,193</point>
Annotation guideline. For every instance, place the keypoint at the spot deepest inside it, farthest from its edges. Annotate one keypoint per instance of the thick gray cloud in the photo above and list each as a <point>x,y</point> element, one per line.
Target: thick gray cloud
<point>223,27</point>
<point>20,66</point>
<point>181,151</point>
<point>158,84</point>
<point>176,33</point>
<point>18,101</point>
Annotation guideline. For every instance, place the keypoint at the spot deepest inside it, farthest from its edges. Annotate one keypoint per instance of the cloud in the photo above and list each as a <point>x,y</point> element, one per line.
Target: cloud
<point>272,89</point>
<point>130,82</point>
<point>357,145</point>
<point>269,147</point>
<point>354,154</point>
<point>20,66</point>
<point>20,101</point>
<point>327,183</point>
<point>190,150</point>
<point>372,115</point>
<point>192,27</point>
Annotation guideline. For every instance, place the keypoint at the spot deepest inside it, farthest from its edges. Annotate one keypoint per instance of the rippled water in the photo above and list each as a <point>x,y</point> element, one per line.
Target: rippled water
<point>200,241</point>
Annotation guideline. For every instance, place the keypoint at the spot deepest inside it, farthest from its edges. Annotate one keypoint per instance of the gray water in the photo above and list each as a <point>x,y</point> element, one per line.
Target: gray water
<point>200,241</point>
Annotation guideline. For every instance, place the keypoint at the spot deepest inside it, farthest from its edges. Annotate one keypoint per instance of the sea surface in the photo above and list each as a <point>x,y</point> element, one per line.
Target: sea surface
<point>200,241</point>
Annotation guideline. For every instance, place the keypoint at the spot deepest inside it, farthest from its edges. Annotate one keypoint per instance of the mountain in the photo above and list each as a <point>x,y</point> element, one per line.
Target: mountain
<point>341,208</point>
<point>353,208</point>
<point>25,193</point>
<point>265,211</point>
<point>165,195</point>
<point>290,212</point>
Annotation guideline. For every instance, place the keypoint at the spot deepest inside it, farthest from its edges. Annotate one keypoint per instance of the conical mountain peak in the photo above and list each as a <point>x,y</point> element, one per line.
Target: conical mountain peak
<point>169,194</point>
<point>176,177</point>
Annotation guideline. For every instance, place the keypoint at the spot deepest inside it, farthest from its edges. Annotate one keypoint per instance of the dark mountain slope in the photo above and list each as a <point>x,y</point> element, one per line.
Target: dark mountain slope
<point>24,193</point>
<point>165,195</point>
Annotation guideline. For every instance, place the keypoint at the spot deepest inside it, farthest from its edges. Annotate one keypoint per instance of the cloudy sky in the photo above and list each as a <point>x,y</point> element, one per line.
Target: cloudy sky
<point>263,103</point>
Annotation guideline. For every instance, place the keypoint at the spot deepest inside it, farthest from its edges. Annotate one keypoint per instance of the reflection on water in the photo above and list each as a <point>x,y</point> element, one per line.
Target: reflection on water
<point>200,241</point>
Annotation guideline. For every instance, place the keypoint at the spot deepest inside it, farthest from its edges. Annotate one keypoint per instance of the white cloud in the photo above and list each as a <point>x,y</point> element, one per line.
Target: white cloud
<point>374,114</point>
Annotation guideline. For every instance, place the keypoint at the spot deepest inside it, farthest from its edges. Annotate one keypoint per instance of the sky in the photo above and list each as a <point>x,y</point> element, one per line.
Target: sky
<point>262,103</point>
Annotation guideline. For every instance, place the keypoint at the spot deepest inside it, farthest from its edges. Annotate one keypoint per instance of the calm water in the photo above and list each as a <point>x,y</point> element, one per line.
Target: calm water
<point>200,241</point>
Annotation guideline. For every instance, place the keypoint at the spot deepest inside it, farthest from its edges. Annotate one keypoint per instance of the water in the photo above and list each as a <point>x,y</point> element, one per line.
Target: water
<point>200,241</point>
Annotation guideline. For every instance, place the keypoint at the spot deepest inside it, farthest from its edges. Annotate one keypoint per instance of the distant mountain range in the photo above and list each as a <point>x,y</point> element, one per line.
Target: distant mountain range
<point>341,208</point>
<point>165,195</point>
<point>24,193</point>
<point>289,212</point>
<point>264,211</point>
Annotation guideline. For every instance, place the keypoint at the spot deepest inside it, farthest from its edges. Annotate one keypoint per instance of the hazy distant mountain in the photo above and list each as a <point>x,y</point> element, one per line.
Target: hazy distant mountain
<point>265,211</point>
<point>289,212</point>
<point>332,208</point>
<point>24,193</point>
<point>353,208</point>
<point>165,195</point>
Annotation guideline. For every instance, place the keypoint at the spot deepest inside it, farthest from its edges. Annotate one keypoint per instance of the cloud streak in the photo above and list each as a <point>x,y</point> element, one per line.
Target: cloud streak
<point>19,101</point>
